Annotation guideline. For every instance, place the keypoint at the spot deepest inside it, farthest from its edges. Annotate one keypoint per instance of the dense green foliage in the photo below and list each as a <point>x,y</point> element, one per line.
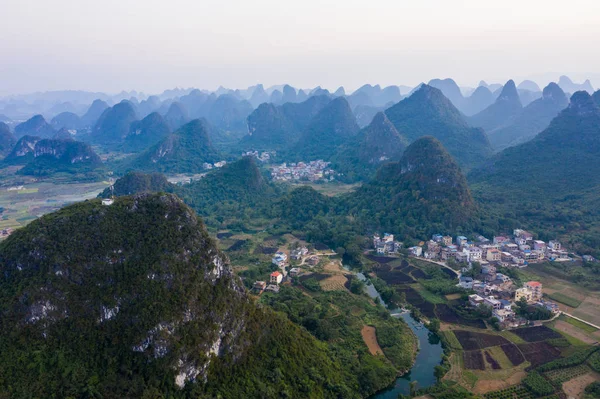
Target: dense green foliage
<point>537,384</point>
<point>428,113</point>
<point>592,391</point>
<point>235,191</point>
<point>575,359</point>
<point>423,193</point>
<point>337,318</point>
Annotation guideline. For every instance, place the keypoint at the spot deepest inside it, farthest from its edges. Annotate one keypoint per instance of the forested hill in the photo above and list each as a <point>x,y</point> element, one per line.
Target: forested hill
<point>230,191</point>
<point>559,160</point>
<point>330,128</point>
<point>423,193</point>
<point>136,183</point>
<point>428,113</point>
<point>134,300</point>
<point>184,151</point>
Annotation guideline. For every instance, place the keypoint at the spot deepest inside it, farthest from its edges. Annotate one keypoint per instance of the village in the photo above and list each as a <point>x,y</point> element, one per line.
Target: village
<point>303,171</point>
<point>301,256</point>
<point>481,261</point>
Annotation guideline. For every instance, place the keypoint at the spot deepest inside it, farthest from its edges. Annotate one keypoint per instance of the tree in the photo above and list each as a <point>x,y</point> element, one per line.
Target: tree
<point>413,389</point>
<point>522,306</point>
<point>434,325</point>
<point>439,372</point>
<point>356,286</point>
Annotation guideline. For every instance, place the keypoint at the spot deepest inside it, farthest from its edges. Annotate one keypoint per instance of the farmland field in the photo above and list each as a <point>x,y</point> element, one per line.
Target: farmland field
<point>491,361</point>
<point>534,334</point>
<point>513,353</point>
<point>538,353</point>
<point>473,360</point>
<point>39,198</point>
<point>394,277</point>
<point>447,315</point>
<point>562,298</point>
<point>576,323</point>
<point>472,340</point>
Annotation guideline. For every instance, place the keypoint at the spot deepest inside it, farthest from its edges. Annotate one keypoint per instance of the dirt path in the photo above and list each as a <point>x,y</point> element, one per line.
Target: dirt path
<point>370,337</point>
<point>574,332</point>
<point>574,388</point>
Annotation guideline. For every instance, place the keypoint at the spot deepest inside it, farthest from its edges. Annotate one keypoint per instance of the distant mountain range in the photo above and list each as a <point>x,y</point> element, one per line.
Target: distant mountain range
<point>507,106</point>
<point>534,118</point>
<point>427,112</point>
<point>568,86</point>
<point>374,145</point>
<point>277,127</point>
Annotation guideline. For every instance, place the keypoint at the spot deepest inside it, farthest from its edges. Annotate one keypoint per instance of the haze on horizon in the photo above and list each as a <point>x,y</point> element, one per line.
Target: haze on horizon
<point>153,45</point>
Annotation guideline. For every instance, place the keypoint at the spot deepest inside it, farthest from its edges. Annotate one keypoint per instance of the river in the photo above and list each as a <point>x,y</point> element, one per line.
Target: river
<point>429,355</point>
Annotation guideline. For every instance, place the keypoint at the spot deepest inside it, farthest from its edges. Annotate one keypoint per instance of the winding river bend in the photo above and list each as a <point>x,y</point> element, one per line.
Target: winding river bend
<point>429,356</point>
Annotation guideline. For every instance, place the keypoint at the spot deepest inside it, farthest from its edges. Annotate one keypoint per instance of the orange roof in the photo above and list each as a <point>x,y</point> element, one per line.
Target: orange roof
<point>534,283</point>
<point>275,274</point>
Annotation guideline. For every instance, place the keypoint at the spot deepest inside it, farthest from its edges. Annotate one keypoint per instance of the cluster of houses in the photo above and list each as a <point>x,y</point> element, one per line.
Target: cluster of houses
<point>280,259</point>
<point>311,171</point>
<point>516,251</point>
<point>264,157</point>
<point>386,245</point>
<point>500,296</point>
<point>209,166</point>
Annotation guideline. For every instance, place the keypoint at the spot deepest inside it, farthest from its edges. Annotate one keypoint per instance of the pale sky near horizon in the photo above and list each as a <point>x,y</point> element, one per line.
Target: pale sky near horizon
<point>152,45</point>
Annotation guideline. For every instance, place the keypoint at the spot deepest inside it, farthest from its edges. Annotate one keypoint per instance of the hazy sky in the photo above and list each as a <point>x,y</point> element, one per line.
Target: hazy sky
<point>151,45</point>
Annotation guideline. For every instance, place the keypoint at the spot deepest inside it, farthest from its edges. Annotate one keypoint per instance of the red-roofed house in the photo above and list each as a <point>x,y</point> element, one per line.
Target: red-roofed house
<point>536,289</point>
<point>276,277</point>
